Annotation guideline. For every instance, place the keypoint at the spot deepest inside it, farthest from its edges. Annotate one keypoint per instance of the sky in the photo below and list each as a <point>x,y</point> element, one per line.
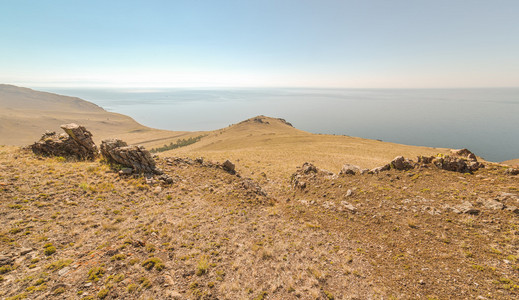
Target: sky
<point>260,43</point>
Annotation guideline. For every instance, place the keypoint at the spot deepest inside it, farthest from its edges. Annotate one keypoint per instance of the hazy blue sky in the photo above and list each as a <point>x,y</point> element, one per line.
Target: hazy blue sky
<point>318,43</point>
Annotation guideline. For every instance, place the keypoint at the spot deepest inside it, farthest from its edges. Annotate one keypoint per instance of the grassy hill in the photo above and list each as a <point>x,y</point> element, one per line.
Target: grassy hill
<point>272,146</point>
<point>25,114</point>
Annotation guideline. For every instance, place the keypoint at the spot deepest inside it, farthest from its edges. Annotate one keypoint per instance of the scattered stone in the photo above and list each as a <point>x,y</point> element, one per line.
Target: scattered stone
<point>5,260</point>
<point>76,143</point>
<point>252,186</point>
<point>491,204</point>
<point>348,206</point>
<point>165,178</point>
<point>24,251</point>
<point>507,196</point>
<point>467,208</point>
<point>229,167</point>
<point>63,271</point>
<point>349,193</point>
<point>135,157</point>
<point>348,169</point>
<point>157,190</point>
<point>512,171</point>
<point>513,209</point>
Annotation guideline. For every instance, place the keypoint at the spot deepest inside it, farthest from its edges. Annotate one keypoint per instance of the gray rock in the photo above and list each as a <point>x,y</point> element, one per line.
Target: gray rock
<point>348,169</point>
<point>348,206</point>
<point>24,251</point>
<point>492,204</point>
<point>135,157</point>
<point>467,208</point>
<point>63,271</point>
<point>126,171</point>
<point>349,193</point>
<point>380,169</point>
<point>507,196</point>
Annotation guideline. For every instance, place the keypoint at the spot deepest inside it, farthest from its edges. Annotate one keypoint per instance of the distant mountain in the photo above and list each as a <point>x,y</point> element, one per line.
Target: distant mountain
<point>25,114</point>
<point>20,98</point>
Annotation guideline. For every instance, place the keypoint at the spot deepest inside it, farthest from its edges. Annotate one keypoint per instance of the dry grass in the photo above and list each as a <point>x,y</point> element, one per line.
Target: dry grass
<point>277,149</point>
<point>208,235</point>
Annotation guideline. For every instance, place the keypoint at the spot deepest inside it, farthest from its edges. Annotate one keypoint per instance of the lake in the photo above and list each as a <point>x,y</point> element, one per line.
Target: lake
<point>485,121</point>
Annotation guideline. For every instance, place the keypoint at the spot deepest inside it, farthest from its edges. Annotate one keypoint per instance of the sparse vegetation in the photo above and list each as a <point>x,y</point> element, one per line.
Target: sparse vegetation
<point>179,143</point>
<point>217,234</point>
<point>153,262</point>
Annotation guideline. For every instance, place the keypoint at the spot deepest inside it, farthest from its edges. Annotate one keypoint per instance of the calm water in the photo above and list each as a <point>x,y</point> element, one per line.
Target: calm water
<point>485,121</point>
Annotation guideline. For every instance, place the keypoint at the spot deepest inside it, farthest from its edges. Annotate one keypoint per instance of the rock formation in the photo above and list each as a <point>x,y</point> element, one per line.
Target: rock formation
<point>135,157</point>
<point>77,143</point>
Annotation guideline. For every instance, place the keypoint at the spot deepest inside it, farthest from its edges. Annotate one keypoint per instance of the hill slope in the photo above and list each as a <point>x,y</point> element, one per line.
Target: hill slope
<point>25,114</point>
<point>272,146</point>
<point>79,230</point>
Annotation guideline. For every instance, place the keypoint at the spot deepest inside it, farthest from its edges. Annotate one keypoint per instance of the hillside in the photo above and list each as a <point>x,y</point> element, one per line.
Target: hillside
<point>272,146</point>
<point>79,230</point>
<point>513,162</point>
<point>25,114</point>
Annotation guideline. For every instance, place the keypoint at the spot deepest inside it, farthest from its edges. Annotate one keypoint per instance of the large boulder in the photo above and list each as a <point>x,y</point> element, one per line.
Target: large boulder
<point>76,143</point>
<point>135,157</point>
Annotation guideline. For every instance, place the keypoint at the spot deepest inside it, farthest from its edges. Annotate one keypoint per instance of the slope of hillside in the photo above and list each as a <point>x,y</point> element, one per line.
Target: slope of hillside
<point>272,146</point>
<point>25,114</point>
<point>512,162</point>
<point>78,230</point>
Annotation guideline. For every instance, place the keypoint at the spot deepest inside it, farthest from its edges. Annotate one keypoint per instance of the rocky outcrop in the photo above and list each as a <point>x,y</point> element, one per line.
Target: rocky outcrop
<point>75,143</point>
<point>462,161</point>
<point>455,164</point>
<point>135,157</point>
<point>400,163</point>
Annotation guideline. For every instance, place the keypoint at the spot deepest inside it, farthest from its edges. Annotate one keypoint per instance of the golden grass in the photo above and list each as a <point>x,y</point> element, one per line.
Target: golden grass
<point>276,149</point>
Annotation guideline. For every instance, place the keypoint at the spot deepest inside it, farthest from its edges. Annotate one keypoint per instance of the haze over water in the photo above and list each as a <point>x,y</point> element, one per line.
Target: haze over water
<point>482,120</point>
